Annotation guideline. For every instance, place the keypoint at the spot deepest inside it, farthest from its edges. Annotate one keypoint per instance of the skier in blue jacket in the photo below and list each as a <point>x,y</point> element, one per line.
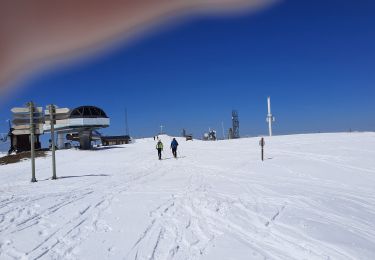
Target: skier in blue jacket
<point>174,145</point>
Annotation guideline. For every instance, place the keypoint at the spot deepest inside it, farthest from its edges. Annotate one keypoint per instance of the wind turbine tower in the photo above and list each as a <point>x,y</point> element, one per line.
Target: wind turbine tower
<point>270,118</point>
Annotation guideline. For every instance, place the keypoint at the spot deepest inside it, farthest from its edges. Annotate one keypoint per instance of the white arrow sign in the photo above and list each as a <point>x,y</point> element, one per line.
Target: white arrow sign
<point>26,110</point>
<point>27,115</point>
<point>26,121</point>
<point>26,132</point>
<point>58,122</point>
<point>58,111</point>
<point>26,127</point>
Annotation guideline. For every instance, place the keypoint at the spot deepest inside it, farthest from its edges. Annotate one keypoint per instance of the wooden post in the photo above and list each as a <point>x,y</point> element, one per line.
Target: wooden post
<point>32,141</point>
<point>52,111</point>
<point>262,143</point>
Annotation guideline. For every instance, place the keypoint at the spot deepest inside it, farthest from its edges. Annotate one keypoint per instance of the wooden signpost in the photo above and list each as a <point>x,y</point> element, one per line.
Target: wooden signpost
<point>52,113</point>
<point>31,121</point>
<point>32,140</point>
<point>28,121</point>
<point>24,119</point>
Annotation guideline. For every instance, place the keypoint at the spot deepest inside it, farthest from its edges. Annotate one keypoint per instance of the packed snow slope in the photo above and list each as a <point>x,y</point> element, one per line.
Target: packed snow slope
<point>312,198</point>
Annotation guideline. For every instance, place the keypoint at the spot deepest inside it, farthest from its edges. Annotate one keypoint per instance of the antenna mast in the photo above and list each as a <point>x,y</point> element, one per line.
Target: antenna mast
<point>270,118</point>
<point>161,129</point>
<point>235,125</point>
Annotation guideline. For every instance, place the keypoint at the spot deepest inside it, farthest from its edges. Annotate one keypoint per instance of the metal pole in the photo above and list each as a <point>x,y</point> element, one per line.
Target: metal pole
<point>269,116</point>
<point>32,141</point>
<point>52,111</point>
<point>222,126</point>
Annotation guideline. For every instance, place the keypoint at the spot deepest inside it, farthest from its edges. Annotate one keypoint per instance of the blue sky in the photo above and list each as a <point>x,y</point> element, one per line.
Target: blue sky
<point>315,59</point>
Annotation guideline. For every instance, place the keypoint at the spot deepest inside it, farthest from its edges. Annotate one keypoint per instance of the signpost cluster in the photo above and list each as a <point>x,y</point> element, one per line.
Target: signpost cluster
<point>29,120</point>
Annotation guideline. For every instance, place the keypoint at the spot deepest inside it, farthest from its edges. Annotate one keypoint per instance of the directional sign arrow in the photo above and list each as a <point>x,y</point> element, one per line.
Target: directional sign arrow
<point>57,117</point>
<point>27,116</point>
<point>26,127</point>
<point>25,121</point>
<point>57,121</point>
<point>58,111</point>
<point>26,110</point>
<point>26,132</point>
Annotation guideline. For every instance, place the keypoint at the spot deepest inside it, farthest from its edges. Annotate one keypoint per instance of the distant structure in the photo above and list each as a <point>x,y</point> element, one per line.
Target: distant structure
<point>270,118</point>
<point>116,140</point>
<point>187,136</point>
<point>21,143</point>
<point>76,137</point>
<point>82,122</point>
<point>210,136</point>
<point>235,125</point>
<point>6,138</point>
<point>78,124</point>
<point>230,133</point>
<point>3,137</point>
<point>161,129</point>
<point>222,127</point>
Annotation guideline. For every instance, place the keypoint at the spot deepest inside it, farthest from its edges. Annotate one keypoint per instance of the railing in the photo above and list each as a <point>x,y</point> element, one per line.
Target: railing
<point>3,137</point>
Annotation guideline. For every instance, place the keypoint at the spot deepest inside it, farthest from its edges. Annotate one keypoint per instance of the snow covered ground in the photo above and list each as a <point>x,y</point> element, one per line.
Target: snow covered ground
<point>312,198</point>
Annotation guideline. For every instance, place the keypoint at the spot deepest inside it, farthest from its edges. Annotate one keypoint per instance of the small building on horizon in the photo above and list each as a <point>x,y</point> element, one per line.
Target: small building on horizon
<point>116,140</point>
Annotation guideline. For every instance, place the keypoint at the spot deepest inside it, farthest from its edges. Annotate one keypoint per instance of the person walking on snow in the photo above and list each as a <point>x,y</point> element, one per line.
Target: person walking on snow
<point>159,147</point>
<point>174,145</point>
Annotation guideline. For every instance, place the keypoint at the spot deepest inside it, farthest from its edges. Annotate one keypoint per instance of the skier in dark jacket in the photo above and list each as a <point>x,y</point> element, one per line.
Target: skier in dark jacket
<point>159,147</point>
<point>174,145</point>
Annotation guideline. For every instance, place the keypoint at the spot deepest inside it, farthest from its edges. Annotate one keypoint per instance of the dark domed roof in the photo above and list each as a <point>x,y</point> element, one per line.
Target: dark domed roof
<point>87,112</point>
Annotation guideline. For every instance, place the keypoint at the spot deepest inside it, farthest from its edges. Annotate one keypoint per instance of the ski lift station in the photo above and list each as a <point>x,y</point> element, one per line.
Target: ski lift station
<point>83,117</point>
<point>81,122</point>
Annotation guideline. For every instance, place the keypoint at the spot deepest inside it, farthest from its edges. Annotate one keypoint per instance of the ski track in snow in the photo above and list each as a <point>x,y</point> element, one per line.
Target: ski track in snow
<point>217,201</point>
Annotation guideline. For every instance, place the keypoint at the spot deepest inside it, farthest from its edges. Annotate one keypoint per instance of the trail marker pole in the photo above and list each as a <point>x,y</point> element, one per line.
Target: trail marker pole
<point>262,143</point>
<point>32,140</point>
<point>52,112</point>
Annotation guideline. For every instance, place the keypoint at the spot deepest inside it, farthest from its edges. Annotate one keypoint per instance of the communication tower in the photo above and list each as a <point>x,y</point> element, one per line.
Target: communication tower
<point>235,125</point>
